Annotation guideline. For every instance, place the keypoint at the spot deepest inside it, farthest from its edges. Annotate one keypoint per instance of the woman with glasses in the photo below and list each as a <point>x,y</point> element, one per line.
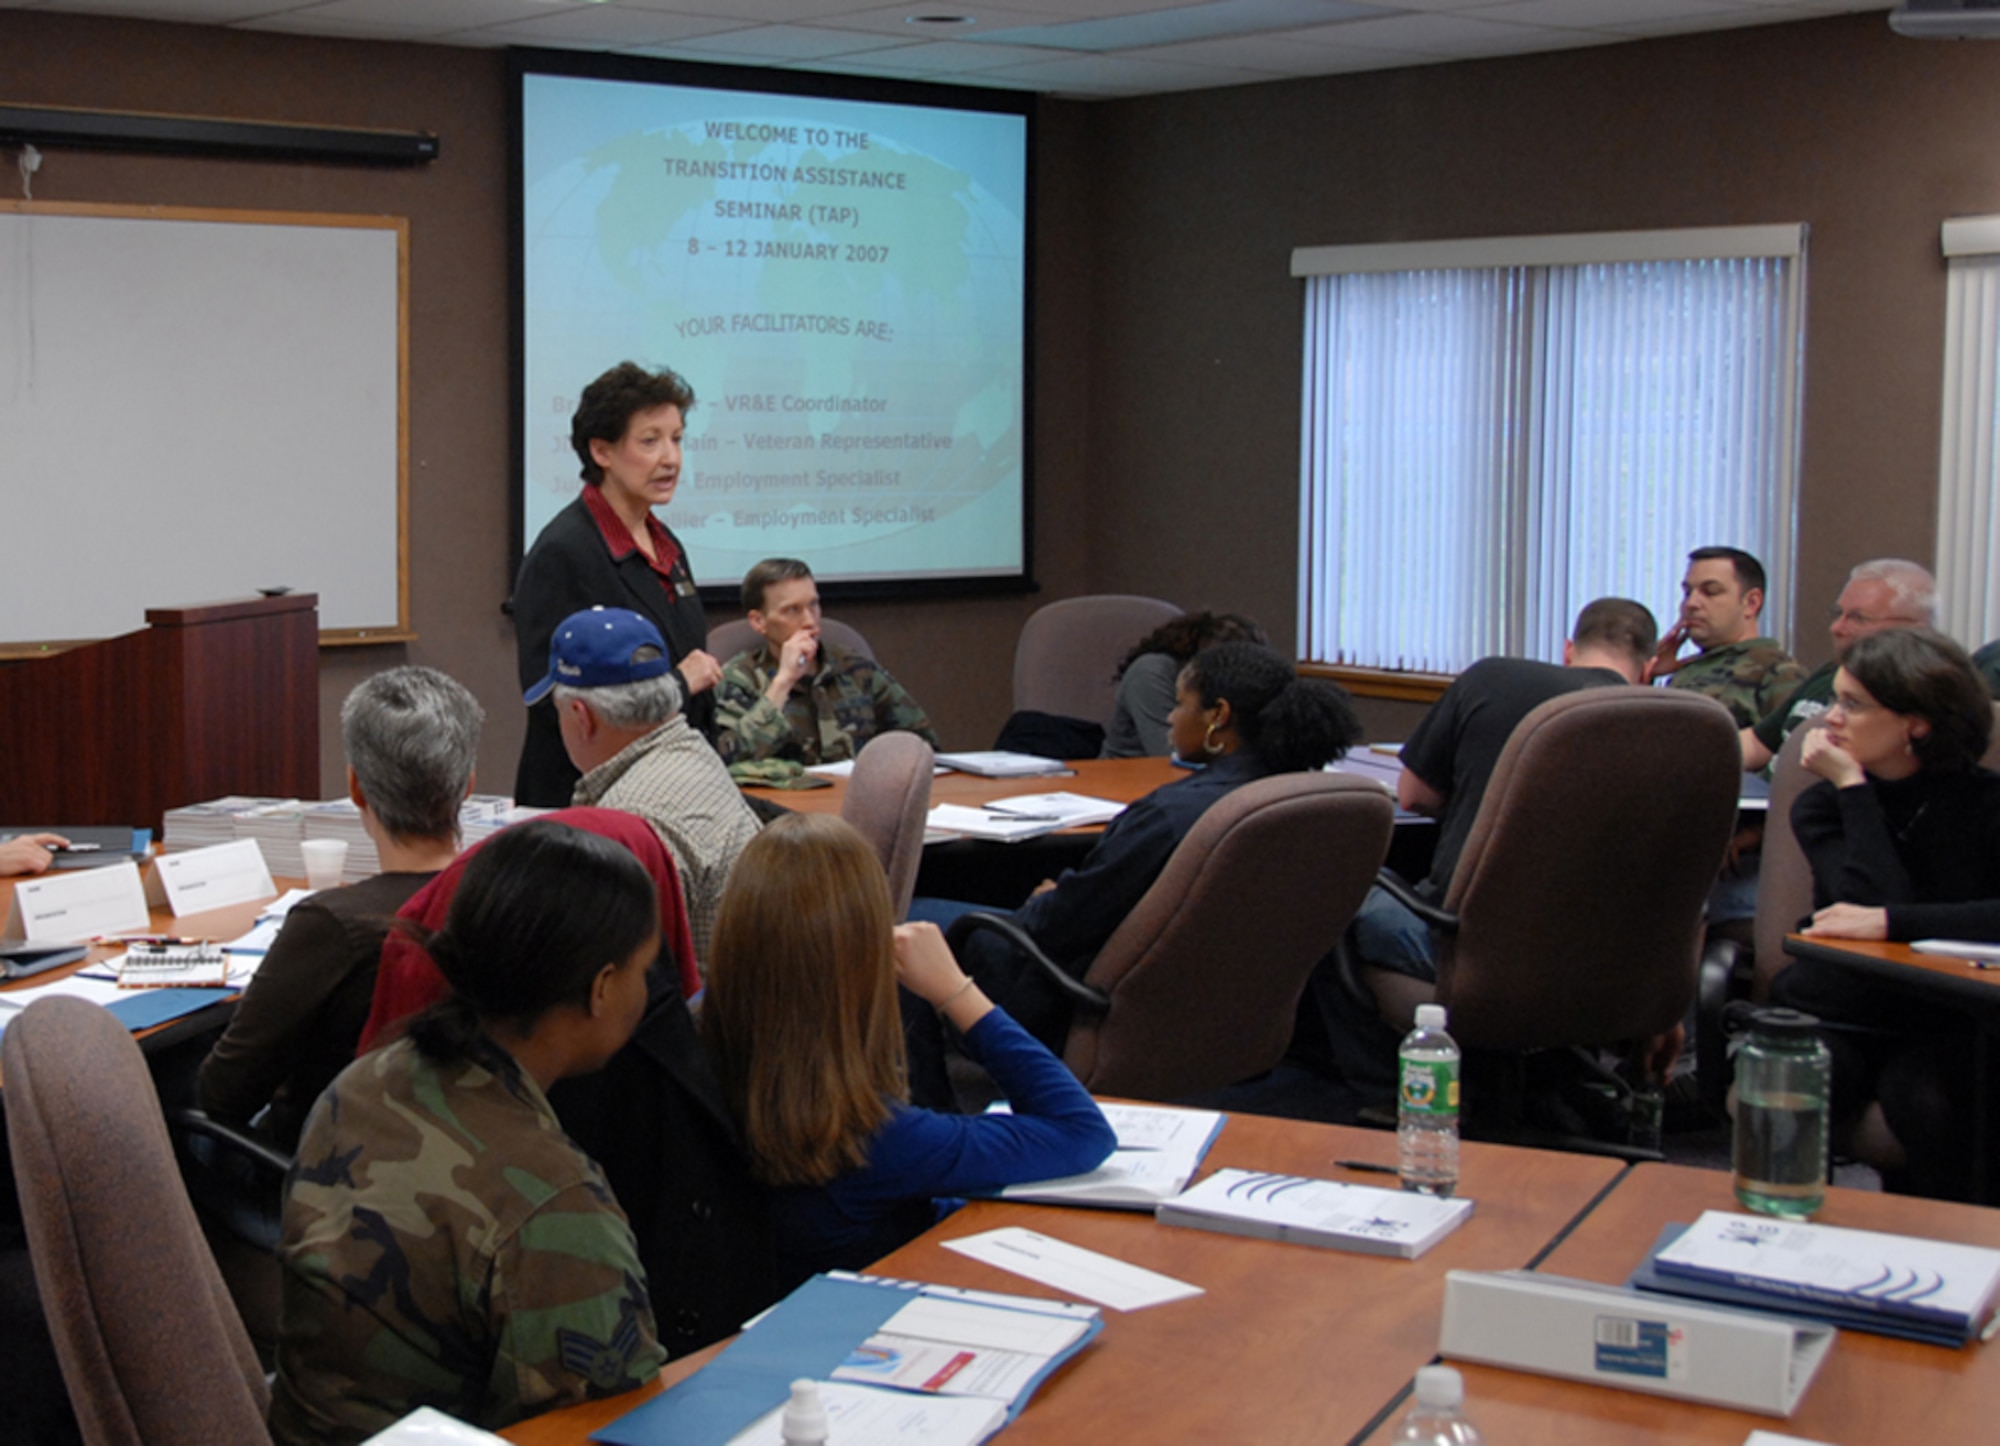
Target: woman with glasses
<point>1903,836</point>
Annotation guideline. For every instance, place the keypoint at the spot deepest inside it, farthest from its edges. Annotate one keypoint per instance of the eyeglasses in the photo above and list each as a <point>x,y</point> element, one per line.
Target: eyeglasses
<point>1855,707</point>
<point>1837,614</point>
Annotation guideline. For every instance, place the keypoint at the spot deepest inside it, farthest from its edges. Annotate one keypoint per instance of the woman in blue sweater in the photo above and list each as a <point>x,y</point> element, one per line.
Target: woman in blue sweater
<point>801,1017</point>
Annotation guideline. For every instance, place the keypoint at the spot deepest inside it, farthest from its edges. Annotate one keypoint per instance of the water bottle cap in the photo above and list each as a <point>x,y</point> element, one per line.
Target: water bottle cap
<point>1430,1016</point>
<point>1784,1023</point>
<point>1440,1388</point>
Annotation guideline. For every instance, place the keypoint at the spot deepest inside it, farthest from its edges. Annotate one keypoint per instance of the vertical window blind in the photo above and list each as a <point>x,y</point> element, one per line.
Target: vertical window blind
<point>1497,432</point>
<point>1969,439</point>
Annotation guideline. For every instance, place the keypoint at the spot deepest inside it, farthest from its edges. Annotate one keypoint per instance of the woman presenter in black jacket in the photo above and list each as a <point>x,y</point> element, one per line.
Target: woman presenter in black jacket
<point>609,548</point>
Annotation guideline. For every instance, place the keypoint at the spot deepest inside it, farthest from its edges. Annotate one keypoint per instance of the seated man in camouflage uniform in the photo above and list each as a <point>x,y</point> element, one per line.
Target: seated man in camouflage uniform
<point>1722,597</point>
<point>798,697</point>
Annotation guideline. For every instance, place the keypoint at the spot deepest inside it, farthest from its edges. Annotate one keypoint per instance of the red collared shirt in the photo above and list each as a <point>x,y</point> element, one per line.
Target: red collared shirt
<point>618,537</point>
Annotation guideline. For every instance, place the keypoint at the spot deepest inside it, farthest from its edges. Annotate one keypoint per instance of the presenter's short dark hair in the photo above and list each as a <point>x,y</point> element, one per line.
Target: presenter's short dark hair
<point>1924,674</point>
<point>1619,623</point>
<point>765,574</point>
<point>608,405</point>
<point>1749,571</point>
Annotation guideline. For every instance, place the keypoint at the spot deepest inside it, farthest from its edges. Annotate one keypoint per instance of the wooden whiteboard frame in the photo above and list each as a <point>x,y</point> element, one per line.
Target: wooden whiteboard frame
<point>396,630</point>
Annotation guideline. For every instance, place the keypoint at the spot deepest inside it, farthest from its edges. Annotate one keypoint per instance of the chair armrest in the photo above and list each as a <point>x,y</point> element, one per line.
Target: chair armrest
<point>966,925</point>
<point>198,1122</point>
<point>1391,883</point>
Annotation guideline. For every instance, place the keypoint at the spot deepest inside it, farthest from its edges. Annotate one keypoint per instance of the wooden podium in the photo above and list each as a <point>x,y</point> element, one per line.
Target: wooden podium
<point>206,700</point>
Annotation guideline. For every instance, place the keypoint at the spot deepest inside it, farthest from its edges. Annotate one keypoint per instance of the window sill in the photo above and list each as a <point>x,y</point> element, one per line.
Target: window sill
<point>1380,682</point>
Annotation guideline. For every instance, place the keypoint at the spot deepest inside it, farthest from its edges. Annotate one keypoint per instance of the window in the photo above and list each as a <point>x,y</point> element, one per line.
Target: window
<point>1498,432</point>
<point>1969,440</point>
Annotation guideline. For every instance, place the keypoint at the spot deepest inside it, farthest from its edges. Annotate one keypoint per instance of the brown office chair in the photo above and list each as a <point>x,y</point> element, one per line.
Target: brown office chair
<point>1067,659</point>
<point>1199,987</point>
<point>737,636</point>
<point>1574,915</point>
<point>887,800</point>
<point>151,1346</point>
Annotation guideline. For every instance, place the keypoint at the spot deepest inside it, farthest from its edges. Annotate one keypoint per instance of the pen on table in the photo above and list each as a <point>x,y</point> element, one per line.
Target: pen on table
<point>1982,963</point>
<point>1368,1167</point>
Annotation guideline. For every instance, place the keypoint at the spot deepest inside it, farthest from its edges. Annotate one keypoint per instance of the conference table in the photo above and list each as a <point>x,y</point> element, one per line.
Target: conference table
<point>1970,989</point>
<point>164,1039</point>
<point>1871,1389</point>
<point>1288,1344</point>
<point>1003,874</point>
<point>1292,1344</point>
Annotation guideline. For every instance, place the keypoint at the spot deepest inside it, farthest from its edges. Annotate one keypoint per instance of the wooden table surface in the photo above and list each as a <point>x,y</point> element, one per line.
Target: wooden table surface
<point>1896,962</point>
<point>226,923</point>
<point>1871,1389</point>
<point>1290,1343</point>
<point>1122,780</point>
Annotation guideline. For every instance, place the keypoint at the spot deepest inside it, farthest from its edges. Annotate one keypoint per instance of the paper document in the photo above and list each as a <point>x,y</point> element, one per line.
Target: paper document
<point>1072,1269</point>
<point>1958,949</point>
<point>1360,1218</point>
<point>1900,1276</point>
<point>888,1418</point>
<point>1159,1149</point>
<point>953,818</point>
<point>1000,763</point>
<point>1065,810</point>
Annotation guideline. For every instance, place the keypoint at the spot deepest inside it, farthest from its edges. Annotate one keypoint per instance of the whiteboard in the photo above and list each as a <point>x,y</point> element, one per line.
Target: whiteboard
<point>196,404</point>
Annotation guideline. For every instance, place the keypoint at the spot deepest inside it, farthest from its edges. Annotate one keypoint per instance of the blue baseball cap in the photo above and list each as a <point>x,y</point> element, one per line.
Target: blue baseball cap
<point>596,649</point>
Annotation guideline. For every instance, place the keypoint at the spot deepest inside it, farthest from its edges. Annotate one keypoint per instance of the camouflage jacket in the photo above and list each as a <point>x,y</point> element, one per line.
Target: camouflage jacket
<point>445,1244</point>
<point>1749,678</point>
<point>847,702</point>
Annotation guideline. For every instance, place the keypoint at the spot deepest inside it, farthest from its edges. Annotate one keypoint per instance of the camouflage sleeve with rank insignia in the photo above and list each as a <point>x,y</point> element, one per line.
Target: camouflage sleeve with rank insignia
<point>570,1296</point>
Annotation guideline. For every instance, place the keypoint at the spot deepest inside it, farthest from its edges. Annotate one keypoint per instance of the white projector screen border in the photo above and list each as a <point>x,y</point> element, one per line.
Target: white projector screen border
<point>838,267</point>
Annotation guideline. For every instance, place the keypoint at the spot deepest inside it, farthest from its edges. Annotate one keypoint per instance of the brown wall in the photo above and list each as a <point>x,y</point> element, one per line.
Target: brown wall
<point>1870,139</point>
<point>1169,329</point>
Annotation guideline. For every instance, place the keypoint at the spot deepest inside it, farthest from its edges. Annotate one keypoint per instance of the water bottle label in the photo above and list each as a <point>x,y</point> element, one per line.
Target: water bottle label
<point>1430,1086</point>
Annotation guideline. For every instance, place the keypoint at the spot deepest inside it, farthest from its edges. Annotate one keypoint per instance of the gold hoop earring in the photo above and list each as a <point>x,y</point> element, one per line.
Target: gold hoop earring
<point>1208,743</point>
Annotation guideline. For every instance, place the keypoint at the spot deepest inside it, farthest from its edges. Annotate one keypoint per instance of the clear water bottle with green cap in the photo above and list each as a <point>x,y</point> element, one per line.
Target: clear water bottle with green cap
<point>1427,1105</point>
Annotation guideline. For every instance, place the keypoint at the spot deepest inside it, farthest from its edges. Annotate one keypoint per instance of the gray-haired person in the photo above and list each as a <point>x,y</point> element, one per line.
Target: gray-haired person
<point>411,736</point>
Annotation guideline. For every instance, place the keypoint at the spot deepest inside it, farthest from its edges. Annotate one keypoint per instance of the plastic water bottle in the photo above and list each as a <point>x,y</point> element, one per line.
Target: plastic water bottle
<point>1438,1418</point>
<point>1778,1147</point>
<point>1427,1107</point>
<point>804,1421</point>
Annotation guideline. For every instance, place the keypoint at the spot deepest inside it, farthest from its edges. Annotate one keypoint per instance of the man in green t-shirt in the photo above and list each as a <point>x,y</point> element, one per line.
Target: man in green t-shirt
<point>1887,592</point>
<point>1722,598</point>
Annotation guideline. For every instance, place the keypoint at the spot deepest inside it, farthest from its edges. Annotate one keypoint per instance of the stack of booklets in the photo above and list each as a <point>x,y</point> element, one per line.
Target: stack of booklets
<point>278,829</point>
<point>485,814</point>
<point>1899,1285</point>
<point>201,825</point>
<point>1361,1218</point>
<point>898,1361</point>
<point>1159,1149</point>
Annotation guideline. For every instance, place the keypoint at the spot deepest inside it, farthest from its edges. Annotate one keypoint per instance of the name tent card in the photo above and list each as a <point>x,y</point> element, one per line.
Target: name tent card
<point>74,906</point>
<point>212,878</point>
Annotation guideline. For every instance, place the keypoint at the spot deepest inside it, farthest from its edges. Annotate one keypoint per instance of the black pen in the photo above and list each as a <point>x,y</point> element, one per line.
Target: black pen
<point>1368,1166</point>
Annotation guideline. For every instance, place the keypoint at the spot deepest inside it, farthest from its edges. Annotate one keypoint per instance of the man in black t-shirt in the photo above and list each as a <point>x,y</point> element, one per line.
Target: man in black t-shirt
<point>1449,759</point>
